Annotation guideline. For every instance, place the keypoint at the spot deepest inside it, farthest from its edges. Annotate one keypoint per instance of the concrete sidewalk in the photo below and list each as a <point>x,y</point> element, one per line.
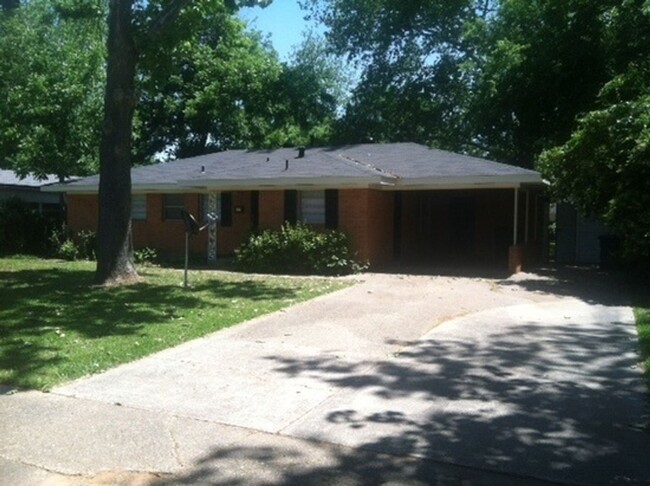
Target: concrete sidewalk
<point>361,386</point>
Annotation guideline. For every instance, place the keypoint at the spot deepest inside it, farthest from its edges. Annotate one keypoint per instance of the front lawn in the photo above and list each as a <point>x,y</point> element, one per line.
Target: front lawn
<point>642,315</point>
<point>55,326</point>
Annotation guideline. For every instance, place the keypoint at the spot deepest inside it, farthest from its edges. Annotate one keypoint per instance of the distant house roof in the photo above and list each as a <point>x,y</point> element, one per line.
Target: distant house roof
<point>385,166</point>
<point>10,178</point>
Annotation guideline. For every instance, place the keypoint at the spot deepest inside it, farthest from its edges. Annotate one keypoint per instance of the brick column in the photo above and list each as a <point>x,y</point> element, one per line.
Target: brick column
<point>515,258</point>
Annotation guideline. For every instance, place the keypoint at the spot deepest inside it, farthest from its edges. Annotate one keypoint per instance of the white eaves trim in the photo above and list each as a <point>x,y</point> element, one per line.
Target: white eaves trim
<point>471,182</point>
<point>382,182</point>
<point>94,188</point>
<point>67,188</point>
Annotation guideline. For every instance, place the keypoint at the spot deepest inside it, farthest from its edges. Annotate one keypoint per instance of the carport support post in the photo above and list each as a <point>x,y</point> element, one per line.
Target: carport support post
<point>187,257</point>
<point>527,211</point>
<point>516,218</point>
<point>515,252</point>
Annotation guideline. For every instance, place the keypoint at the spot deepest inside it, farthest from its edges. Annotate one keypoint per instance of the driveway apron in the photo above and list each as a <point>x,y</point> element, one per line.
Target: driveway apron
<point>461,371</point>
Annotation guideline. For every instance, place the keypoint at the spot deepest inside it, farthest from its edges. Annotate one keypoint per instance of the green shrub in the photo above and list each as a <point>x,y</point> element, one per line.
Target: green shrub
<point>145,256</point>
<point>68,250</point>
<point>79,246</point>
<point>87,243</point>
<point>299,250</point>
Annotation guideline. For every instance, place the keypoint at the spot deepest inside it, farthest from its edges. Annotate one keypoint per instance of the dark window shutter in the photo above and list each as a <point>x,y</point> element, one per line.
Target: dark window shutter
<point>331,208</point>
<point>226,209</point>
<point>291,206</point>
<point>255,209</point>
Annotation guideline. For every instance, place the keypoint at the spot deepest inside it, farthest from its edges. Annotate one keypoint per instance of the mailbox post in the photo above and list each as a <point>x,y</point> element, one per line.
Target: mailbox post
<point>192,228</point>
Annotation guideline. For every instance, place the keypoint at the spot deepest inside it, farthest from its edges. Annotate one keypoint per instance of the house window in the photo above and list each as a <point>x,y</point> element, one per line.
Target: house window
<point>172,206</point>
<point>139,207</point>
<point>312,207</point>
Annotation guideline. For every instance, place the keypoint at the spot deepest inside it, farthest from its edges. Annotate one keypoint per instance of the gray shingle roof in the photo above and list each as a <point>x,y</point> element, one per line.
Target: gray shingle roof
<point>413,161</point>
<point>364,164</point>
<point>10,178</point>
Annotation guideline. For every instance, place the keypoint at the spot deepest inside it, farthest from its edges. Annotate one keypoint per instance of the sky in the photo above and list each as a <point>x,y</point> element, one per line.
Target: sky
<point>282,20</point>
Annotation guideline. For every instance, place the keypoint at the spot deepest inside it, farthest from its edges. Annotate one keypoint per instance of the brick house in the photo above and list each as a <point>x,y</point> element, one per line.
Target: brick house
<point>399,203</point>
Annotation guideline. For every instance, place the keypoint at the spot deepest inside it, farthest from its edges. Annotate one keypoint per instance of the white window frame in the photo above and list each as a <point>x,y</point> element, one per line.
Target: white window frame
<point>139,207</point>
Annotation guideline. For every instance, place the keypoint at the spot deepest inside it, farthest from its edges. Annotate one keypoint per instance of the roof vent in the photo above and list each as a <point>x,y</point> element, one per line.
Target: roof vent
<point>203,169</point>
<point>268,158</point>
<point>301,152</point>
<point>286,164</point>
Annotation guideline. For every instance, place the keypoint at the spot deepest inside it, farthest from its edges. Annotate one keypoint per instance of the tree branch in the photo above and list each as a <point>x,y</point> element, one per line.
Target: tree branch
<point>168,15</point>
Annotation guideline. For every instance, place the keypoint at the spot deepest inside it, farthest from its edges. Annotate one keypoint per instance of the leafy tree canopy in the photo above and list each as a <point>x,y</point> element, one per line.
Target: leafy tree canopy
<point>499,78</point>
<point>226,88</point>
<point>604,168</point>
<point>51,84</point>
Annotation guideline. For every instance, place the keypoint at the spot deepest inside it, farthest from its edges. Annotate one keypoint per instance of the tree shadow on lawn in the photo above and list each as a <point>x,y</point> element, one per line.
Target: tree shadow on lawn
<point>42,300</point>
<point>35,304</point>
<point>560,403</point>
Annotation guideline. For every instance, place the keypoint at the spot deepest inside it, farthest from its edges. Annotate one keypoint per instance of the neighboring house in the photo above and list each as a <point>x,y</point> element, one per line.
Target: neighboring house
<point>399,203</point>
<point>28,189</point>
<point>578,237</point>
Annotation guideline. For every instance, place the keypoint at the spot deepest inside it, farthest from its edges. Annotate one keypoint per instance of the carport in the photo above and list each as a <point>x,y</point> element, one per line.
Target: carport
<point>471,228</point>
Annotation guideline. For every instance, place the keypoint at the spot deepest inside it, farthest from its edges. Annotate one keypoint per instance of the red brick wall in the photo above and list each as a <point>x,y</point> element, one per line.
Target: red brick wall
<point>83,211</point>
<point>271,207</point>
<point>367,217</point>
<point>168,236</point>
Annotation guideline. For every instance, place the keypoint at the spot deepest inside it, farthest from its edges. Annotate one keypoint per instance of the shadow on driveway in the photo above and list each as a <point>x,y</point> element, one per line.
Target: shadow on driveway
<point>549,391</point>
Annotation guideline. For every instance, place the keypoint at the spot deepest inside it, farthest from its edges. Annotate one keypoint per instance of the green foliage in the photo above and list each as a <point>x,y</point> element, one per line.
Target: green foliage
<point>87,244</point>
<point>297,249</point>
<point>307,96</point>
<point>504,79</point>
<point>604,168</point>
<point>51,87</point>
<point>642,315</point>
<point>539,65</point>
<point>145,256</point>
<point>79,246</point>
<point>23,229</point>
<point>207,93</point>
<point>225,88</point>
<point>68,250</point>
<point>411,55</point>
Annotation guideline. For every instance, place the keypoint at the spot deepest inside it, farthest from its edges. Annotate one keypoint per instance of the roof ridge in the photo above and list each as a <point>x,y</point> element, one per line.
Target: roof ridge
<point>366,167</point>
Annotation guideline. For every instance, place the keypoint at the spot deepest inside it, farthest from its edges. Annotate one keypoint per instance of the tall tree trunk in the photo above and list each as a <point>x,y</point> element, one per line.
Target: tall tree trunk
<point>115,252</point>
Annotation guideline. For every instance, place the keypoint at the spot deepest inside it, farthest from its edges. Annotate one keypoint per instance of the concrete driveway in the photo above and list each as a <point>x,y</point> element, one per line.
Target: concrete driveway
<point>401,379</point>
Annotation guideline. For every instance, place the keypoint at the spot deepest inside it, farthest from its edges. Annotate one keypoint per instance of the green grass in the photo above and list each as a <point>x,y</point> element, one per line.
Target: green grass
<point>642,315</point>
<point>55,326</point>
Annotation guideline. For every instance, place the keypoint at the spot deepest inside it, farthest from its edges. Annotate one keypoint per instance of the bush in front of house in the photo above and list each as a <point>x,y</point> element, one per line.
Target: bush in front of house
<point>146,256</point>
<point>78,246</point>
<point>297,250</point>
